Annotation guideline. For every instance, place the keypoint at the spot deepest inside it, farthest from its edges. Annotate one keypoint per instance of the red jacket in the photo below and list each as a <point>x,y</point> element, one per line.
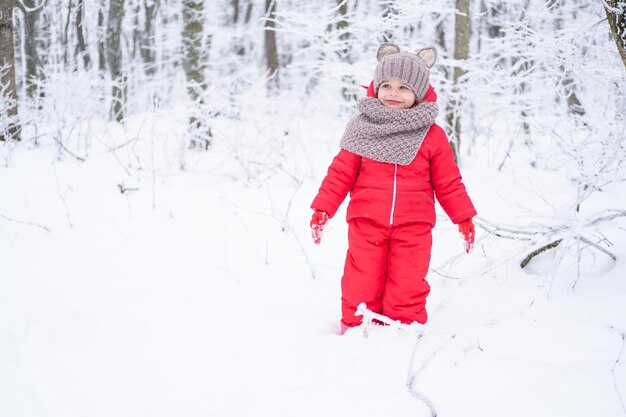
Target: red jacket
<point>395,194</point>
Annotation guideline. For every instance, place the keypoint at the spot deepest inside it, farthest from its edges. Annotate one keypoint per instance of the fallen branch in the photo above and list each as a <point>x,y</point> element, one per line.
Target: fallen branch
<point>598,247</point>
<point>536,252</point>
<point>537,234</point>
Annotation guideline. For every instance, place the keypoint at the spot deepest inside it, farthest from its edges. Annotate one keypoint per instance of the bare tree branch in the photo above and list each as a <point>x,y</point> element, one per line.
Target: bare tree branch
<point>598,247</point>
<point>28,10</point>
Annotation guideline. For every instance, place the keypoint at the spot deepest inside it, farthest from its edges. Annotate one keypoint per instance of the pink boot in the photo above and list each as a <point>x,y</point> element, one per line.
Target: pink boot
<point>343,327</point>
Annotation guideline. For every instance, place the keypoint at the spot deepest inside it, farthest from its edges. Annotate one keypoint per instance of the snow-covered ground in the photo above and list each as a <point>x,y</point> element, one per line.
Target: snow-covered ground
<point>199,293</point>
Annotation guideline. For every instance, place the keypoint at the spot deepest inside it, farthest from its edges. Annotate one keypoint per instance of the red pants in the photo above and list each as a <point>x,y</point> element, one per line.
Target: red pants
<point>386,268</point>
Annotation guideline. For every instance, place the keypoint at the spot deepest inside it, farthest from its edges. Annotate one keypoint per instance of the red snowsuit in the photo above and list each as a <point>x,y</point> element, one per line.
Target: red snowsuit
<point>390,216</point>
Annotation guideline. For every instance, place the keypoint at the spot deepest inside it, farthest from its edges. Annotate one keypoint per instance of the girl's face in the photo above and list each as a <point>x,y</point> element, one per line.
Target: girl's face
<point>396,94</point>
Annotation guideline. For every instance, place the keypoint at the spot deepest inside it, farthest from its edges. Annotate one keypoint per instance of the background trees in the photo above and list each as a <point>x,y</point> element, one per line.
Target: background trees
<point>114,55</point>
<point>507,71</point>
<point>271,50</point>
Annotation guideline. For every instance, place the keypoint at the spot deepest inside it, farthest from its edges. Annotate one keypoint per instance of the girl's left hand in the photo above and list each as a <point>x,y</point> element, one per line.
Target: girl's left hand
<point>466,227</point>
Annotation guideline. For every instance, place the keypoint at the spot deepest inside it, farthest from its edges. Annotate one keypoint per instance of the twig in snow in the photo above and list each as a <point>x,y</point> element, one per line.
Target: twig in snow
<point>412,376</point>
<point>117,158</point>
<point>506,156</point>
<point>368,317</point>
<point>299,184</point>
<point>62,196</point>
<point>617,361</point>
<point>286,227</point>
<point>153,171</point>
<point>12,219</point>
<point>227,271</point>
<point>444,275</point>
<point>62,146</point>
<point>125,190</point>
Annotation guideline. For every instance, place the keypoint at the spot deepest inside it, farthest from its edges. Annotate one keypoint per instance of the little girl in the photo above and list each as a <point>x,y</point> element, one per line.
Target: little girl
<point>393,160</point>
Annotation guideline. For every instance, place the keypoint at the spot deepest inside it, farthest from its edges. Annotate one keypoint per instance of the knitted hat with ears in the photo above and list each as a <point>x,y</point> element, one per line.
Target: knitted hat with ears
<point>413,69</point>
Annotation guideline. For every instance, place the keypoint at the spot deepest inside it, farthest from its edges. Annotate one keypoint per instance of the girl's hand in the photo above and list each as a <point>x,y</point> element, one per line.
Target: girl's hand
<point>318,220</point>
<point>466,227</point>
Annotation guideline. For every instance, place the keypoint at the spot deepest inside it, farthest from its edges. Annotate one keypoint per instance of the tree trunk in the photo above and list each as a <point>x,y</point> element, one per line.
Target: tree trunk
<point>494,23</point>
<point>344,51</point>
<point>102,61</point>
<point>462,27</point>
<point>31,55</point>
<point>114,55</point>
<point>248,12</point>
<point>235,18</point>
<point>522,66</point>
<point>271,51</point>
<point>81,48</point>
<point>568,84</point>
<point>389,9</point>
<point>241,46</point>
<point>66,33</point>
<point>10,129</point>
<point>193,62</point>
<point>522,89</point>
<point>147,41</point>
<point>44,41</point>
<point>342,27</point>
<point>194,58</point>
<point>616,15</point>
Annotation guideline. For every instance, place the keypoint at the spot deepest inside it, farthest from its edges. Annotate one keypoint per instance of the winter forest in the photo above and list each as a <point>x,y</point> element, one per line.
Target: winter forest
<point>158,159</point>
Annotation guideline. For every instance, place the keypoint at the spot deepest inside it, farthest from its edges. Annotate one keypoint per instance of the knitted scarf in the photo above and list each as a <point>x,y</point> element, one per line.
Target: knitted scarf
<point>388,135</point>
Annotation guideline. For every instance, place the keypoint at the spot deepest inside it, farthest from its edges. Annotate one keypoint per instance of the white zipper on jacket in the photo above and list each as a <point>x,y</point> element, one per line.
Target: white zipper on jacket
<point>393,199</point>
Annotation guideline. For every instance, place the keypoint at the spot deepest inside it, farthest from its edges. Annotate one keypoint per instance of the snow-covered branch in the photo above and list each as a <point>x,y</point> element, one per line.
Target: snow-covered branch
<point>546,237</point>
<point>619,8</point>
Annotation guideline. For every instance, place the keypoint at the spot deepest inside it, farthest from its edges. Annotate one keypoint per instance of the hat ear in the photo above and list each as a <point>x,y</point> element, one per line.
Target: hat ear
<point>428,55</point>
<point>386,49</point>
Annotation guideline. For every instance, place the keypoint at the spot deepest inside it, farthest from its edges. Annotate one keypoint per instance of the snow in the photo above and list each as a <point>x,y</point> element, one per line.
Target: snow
<point>198,292</point>
<point>139,277</point>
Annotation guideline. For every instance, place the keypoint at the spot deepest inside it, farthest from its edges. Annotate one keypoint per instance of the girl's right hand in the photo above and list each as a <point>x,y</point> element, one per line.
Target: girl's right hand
<point>318,220</point>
